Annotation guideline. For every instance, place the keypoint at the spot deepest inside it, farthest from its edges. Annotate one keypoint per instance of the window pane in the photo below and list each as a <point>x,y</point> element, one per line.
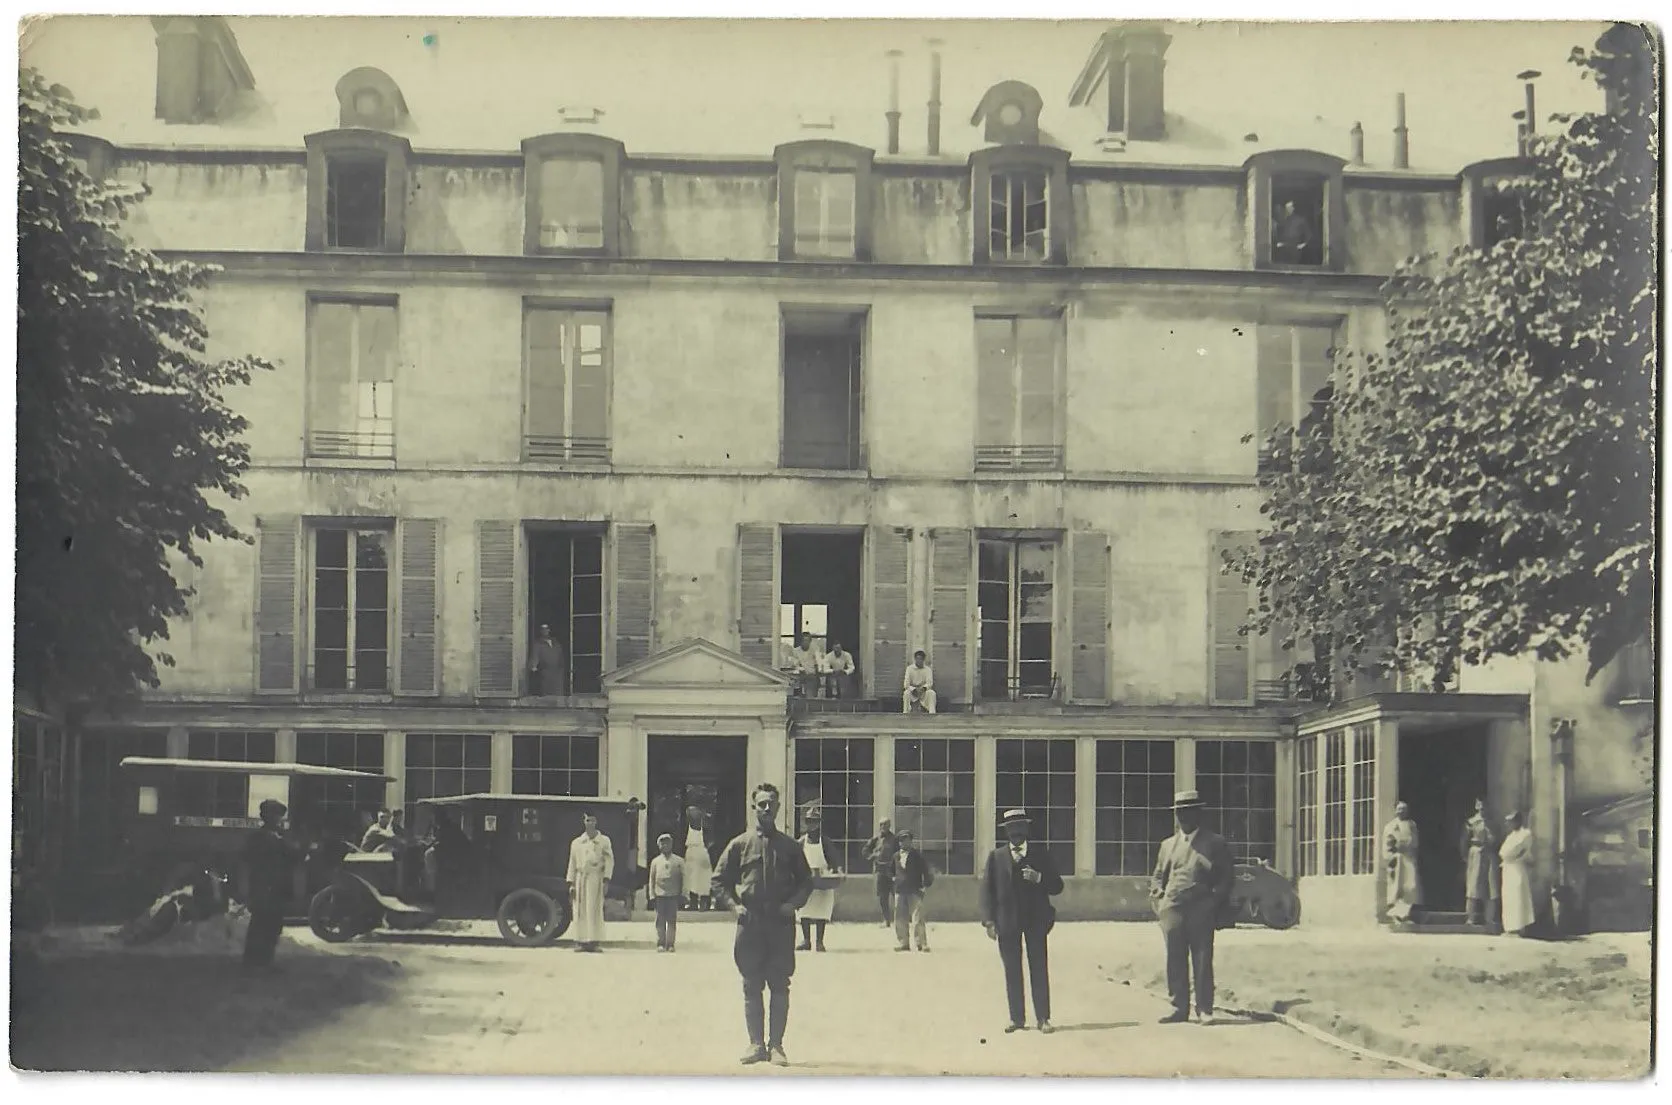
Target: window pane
<point>571,203</point>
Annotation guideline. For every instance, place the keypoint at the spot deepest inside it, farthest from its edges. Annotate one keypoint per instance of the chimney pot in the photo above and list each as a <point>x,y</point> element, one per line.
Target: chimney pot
<point>934,96</point>
<point>1358,143</point>
<point>1401,136</point>
<point>893,115</point>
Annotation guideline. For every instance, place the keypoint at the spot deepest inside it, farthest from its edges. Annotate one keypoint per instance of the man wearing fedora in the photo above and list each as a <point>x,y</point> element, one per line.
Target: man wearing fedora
<point>1016,890</point>
<point>1190,888</point>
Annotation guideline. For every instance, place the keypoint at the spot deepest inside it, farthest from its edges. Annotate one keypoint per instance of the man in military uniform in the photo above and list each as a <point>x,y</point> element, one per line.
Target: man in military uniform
<point>763,877</point>
<point>269,861</point>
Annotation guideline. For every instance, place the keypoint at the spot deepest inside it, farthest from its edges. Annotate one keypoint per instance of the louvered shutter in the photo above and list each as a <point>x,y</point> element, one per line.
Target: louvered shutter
<point>949,624</point>
<point>496,593</point>
<point>418,668</point>
<point>757,593</point>
<point>1089,633</point>
<point>635,587</point>
<point>275,605</point>
<point>1232,655</point>
<point>889,551</point>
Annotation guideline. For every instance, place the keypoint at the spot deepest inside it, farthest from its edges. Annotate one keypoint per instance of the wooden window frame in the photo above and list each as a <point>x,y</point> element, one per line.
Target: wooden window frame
<point>1059,201</point>
<point>1263,171</point>
<point>1013,455</point>
<point>372,455</point>
<point>1477,183</point>
<point>824,155</point>
<point>1014,690</point>
<point>609,153</point>
<point>568,453</point>
<point>396,153</point>
<point>391,613</point>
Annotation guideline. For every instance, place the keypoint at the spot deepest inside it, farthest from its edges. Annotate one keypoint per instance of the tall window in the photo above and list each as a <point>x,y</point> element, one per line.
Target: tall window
<point>566,592</point>
<point>1134,804</point>
<point>1037,774</point>
<point>1238,783</point>
<point>1297,220</point>
<point>1016,611</point>
<point>352,352</point>
<point>349,630</point>
<point>1503,215</point>
<point>441,765</point>
<point>567,406</point>
<point>1364,800</point>
<point>230,745</point>
<point>1335,802</point>
<point>1293,370</point>
<point>560,764</point>
<point>1019,216</point>
<point>1306,764</point>
<point>822,370</point>
<point>1019,422</point>
<point>339,806</point>
<point>824,213</point>
<point>355,202</point>
<point>839,774</point>
<point>571,203</point>
<point>934,797</point>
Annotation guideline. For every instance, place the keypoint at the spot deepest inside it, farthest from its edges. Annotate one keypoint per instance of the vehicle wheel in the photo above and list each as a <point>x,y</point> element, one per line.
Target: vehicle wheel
<point>565,917</point>
<point>1281,913</point>
<point>528,917</point>
<point>330,918</point>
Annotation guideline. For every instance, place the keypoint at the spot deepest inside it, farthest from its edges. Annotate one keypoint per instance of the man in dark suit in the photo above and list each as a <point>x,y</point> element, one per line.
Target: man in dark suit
<point>1191,887</point>
<point>1016,889</point>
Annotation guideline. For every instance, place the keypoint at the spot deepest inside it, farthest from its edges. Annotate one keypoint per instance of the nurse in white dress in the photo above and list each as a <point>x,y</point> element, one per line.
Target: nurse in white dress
<point>821,904</point>
<point>699,866</point>
<point>1515,856</point>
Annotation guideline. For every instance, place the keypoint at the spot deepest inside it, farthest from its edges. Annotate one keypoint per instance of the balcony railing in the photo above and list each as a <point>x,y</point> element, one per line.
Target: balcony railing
<point>1018,458</point>
<point>567,450</point>
<point>366,681</point>
<point>834,456</point>
<point>1300,685</point>
<point>1015,689</point>
<point>352,444</point>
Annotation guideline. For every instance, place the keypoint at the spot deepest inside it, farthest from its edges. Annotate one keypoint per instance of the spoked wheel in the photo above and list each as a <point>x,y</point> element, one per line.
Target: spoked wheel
<point>529,918</point>
<point>331,918</point>
<point>1281,913</point>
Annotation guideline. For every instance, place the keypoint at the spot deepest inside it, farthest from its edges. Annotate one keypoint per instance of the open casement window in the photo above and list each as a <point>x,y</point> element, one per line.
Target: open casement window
<point>1019,388</point>
<point>1491,212</point>
<point>348,607</point>
<point>888,556</point>
<point>567,405</point>
<point>353,348</point>
<point>1023,208</point>
<point>1088,674</point>
<point>824,201</point>
<point>950,569</point>
<point>1016,609</point>
<point>1297,210</point>
<point>1230,597</point>
<point>357,183</point>
<point>823,353</point>
<point>757,593</point>
<point>1292,377</point>
<point>573,194</point>
<point>566,592</point>
<point>277,599</point>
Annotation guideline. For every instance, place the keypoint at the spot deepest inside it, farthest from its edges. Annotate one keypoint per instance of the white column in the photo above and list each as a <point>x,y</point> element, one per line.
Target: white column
<point>882,779</point>
<point>1184,763</point>
<point>1387,796</point>
<point>1286,812</point>
<point>394,764</point>
<point>177,742</point>
<point>284,746</point>
<point>1085,806</point>
<point>499,762</point>
<point>986,795</point>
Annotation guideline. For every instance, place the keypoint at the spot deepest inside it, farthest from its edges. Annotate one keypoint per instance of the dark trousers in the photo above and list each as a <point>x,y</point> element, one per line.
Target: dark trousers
<point>667,921</point>
<point>885,897</point>
<point>764,952</point>
<point>1039,973</point>
<point>261,940</point>
<point>1188,937</point>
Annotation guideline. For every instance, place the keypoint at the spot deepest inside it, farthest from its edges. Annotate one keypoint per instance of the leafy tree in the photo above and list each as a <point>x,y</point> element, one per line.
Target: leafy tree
<point>125,440</point>
<point>1483,485</point>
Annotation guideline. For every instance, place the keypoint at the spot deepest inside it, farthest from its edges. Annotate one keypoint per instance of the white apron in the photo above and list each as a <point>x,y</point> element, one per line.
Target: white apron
<point>699,869</point>
<point>1517,888</point>
<point>590,865</point>
<point>822,904</point>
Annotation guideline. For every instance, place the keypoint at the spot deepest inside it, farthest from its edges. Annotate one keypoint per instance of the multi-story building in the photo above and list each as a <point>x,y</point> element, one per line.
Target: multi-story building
<point>986,390</point>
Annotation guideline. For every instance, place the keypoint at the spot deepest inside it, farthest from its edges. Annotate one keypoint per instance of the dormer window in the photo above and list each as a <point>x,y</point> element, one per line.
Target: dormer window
<point>824,201</point>
<point>357,191</point>
<point>573,194</point>
<point>1297,210</point>
<point>1493,209</point>
<point>367,97</point>
<point>1021,205</point>
<point>1010,110</point>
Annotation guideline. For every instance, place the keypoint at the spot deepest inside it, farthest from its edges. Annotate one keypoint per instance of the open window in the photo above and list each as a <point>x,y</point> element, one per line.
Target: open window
<point>1297,210</point>
<point>1023,209</point>
<point>353,349</point>
<point>566,359</point>
<point>824,201</point>
<point>572,186</point>
<point>1019,397</point>
<point>566,597</point>
<point>823,351</point>
<point>1016,610</point>
<point>1493,211</point>
<point>819,605</point>
<point>1293,369</point>
<point>357,191</point>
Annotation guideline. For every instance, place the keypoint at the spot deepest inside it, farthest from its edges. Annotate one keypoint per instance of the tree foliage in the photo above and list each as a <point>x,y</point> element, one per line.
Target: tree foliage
<point>124,435</point>
<point>1483,485</point>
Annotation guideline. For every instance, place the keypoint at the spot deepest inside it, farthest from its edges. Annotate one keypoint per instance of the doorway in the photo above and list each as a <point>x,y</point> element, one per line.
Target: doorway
<point>711,773</point>
<point>1441,774</point>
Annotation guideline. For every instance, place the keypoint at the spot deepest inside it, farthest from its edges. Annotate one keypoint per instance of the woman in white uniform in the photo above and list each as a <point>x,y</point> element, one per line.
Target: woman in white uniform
<point>699,865</point>
<point>822,903</point>
<point>1516,857</point>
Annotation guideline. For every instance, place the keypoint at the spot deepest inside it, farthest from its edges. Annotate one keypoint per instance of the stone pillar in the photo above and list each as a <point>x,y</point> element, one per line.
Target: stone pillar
<point>986,795</point>
<point>499,763</point>
<point>616,757</point>
<point>394,764</point>
<point>882,780</point>
<point>1387,796</point>
<point>178,742</point>
<point>1184,763</point>
<point>1286,859</point>
<point>284,746</point>
<point>1085,806</point>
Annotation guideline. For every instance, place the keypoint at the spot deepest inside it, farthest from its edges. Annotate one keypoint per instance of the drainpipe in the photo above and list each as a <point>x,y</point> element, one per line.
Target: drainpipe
<point>934,96</point>
<point>893,101</point>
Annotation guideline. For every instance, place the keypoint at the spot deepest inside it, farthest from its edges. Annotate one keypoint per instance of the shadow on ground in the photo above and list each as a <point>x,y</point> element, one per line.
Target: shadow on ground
<point>203,1012</point>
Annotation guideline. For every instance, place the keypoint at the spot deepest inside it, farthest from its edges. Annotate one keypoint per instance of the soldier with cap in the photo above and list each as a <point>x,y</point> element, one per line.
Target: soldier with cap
<point>269,861</point>
<point>1191,887</point>
<point>1016,890</point>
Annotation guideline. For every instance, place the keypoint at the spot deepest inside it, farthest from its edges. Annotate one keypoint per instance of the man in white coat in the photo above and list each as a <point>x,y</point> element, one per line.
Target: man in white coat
<point>591,860</point>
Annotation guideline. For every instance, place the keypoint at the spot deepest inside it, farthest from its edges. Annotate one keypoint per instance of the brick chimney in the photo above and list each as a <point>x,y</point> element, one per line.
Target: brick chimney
<point>1142,50</point>
<point>199,68</point>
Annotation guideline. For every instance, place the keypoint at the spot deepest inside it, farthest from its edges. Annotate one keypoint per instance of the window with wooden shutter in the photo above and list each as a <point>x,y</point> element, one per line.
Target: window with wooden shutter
<point>275,608</point>
<point>949,623</point>
<point>496,626</point>
<point>889,553</point>
<point>757,593</point>
<point>1230,599</point>
<point>1089,635</point>
<point>418,667</point>
<point>635,584</point>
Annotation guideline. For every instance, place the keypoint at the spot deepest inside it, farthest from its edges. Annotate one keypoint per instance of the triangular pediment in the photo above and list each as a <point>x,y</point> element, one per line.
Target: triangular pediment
<point>695,662</point>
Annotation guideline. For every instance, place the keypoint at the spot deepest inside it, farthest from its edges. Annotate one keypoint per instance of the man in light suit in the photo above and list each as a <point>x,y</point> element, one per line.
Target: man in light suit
<point>1191,887</point>
<point>1016,889</point>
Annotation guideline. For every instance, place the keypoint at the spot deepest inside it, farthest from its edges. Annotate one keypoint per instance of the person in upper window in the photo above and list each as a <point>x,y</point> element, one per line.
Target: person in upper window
<point>808,659</point>
<point>835,669</point>
<point>1293,238</point>
<point>919,686</point>
<point>547,674</point>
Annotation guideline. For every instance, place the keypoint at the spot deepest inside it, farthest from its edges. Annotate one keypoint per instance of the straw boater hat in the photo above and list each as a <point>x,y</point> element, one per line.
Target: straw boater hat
<point>1187,800</point>
<point>1014,817</point>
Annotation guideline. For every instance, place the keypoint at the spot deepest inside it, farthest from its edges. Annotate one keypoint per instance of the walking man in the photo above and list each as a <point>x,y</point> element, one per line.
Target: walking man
<point>1016,890</point>
<point>912,878</point>
<point>763,877</point>
<point>1190,888</point>
<point>269,860</point>
<point>667,889</point>
<point>591,861</point>
<point>880,850</point>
